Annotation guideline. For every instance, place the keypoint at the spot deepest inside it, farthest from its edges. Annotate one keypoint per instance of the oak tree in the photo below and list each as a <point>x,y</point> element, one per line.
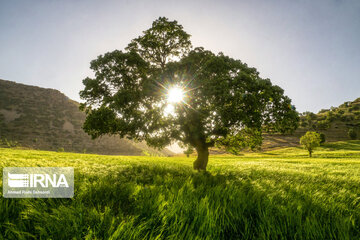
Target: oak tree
<point>219,101</point>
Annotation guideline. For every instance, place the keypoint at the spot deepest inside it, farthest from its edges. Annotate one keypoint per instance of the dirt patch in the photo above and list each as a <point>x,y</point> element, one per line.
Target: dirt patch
<point>68,126</point>
<point>9,115</point>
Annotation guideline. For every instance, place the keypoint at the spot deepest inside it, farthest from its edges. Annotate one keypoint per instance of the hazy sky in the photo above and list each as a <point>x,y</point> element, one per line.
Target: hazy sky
<point>309,48</point>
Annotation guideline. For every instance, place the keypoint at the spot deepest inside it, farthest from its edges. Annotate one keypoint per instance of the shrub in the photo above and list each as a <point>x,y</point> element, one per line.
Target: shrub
<point>61,149</point>
<point>9,143</point>
<point>303,124</point>
<point>310,115</point>
<point>353,108</point>
<point>352,134</point>
<point>347,118</point>
<point>324,110</point>
<point>330,116</point>
<point>340,111</point>
<point>323,125</point>
<point>322,138</point>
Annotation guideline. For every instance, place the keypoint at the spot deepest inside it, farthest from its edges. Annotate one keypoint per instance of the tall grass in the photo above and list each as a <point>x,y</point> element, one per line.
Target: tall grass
<point>274,195</point>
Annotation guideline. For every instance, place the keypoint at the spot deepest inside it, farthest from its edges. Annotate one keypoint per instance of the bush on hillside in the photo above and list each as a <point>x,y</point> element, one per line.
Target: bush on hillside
<point>330,116</point>
<point>9,143</point>
<point>303,123</point>
<point>340,111</point>
<point>323,110</point>
<point>352,134</point>
<point>354,108</point>
<point>347,118</point>
<point>323,125</point>
<point>322,138</point>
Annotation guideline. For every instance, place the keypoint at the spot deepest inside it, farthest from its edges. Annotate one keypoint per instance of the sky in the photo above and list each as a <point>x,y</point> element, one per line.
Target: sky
<point>309,48</point>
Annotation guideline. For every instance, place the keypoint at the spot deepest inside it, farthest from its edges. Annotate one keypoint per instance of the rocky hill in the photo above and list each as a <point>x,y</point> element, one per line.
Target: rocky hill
<point>335,123</point>
<point>46,119</point>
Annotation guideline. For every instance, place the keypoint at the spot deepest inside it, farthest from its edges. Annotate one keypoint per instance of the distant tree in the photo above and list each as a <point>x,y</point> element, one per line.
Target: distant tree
<point>322,138</point>
<point>303,124</point>
<point>224,102</point>
<point>323,110</point>
<point>310,115</point>
<point>189,151</point>
<point>310,141</point>
<point>352,134</point>
<point>340,111</point>
<point>330,116</point>
<point>347,117</point>
<point>323,124</point>
<point>309,120</point>
<point>353,108</point>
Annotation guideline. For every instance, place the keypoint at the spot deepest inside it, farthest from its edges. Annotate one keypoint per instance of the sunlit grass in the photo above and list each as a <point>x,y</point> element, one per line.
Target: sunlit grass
<point>281,194</point>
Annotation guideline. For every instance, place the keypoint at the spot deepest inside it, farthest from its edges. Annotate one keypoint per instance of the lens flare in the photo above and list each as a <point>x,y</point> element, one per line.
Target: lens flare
<point>175,95</point>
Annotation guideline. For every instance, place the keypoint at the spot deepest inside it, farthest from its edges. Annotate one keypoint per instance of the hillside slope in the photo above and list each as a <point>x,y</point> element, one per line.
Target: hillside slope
<point>335,123</point>
<point>46,119</point>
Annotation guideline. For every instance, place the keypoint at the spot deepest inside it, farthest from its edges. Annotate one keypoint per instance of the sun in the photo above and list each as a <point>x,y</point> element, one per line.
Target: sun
<point>175,95</point>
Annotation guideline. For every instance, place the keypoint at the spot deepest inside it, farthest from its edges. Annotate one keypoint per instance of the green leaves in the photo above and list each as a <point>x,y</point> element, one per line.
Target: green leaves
<point>226,102</point>
<point>245,138</point>
<point>310,141</point>
<point>162,42</point>
<point>227,98</point>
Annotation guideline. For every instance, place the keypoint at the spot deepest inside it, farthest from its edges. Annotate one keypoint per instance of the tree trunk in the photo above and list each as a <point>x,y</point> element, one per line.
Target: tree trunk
<point>202,158</point>
<point>310,153</point>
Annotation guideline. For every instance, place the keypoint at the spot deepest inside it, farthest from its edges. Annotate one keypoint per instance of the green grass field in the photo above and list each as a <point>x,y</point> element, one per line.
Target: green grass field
<point>273,195</point>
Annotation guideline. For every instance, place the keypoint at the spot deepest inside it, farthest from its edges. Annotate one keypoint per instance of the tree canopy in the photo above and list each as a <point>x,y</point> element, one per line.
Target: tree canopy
<point>224,102</point>
<point>310,141</point>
